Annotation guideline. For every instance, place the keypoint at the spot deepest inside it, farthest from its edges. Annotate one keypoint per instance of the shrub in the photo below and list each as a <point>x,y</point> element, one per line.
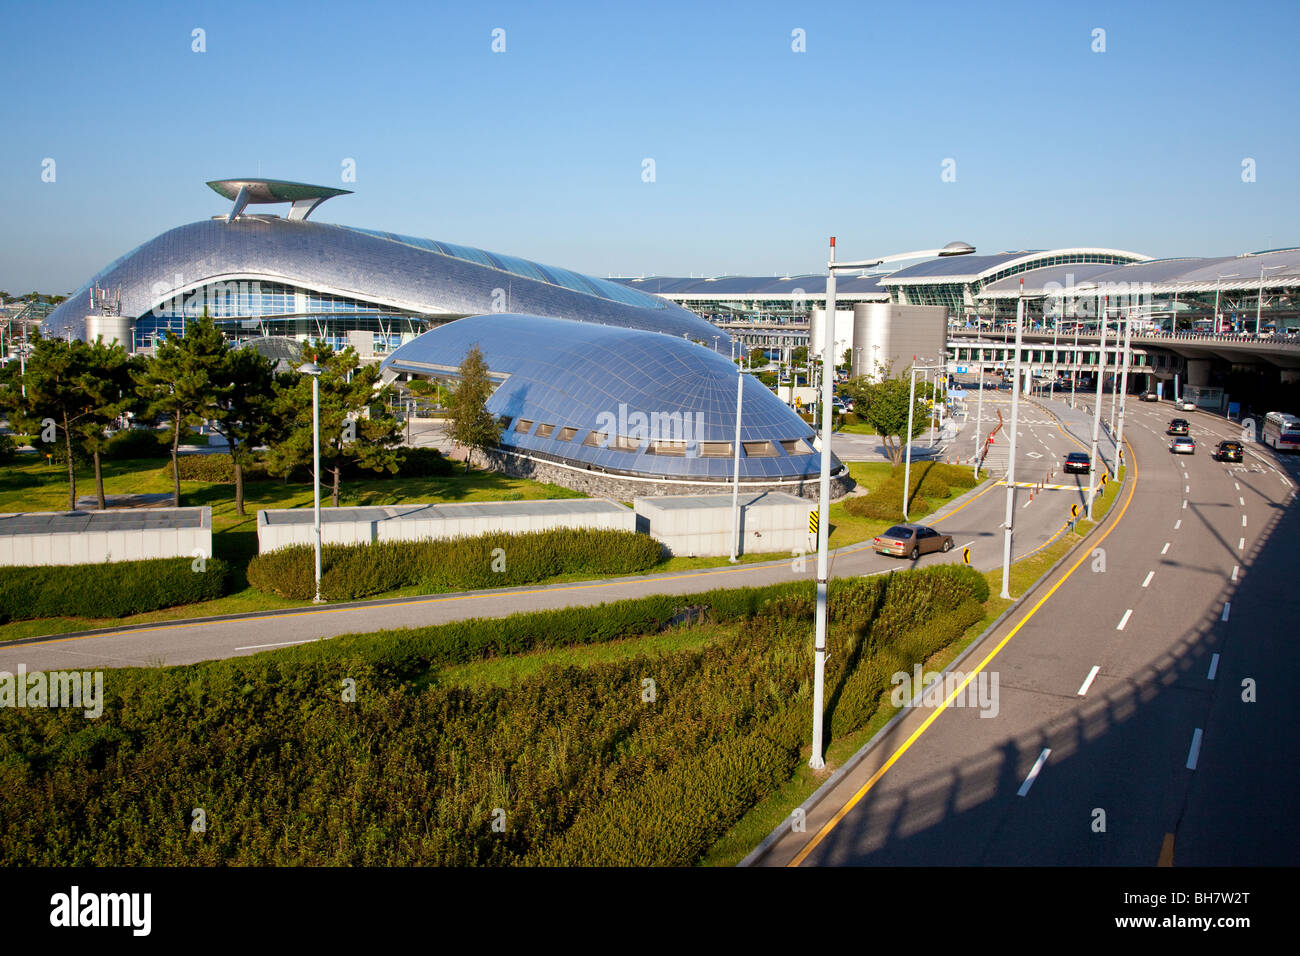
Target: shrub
<point>109,590</point>
<point>425,463</point>
<point>135,443</point>
<point>216,468</point>
<point>8,449</point>
<point>586,769</point>
<point>496,559</point>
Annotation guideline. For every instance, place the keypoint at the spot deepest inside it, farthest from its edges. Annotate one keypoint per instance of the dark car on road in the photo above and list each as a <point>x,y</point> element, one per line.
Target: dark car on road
<point>1076,462</point>
<point>1229,451</point>
<point>1178,426</point>
<point>911,541</point>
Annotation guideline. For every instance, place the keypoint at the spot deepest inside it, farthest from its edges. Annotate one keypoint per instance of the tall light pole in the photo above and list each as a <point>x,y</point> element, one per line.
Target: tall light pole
<point>1096,420</point>
<point>735,486</point>
<point>312,369</point>
<point>1259,303</point>
<point>817,761</point>
<point>1011,455</point>
<point>1123,387</point>
<point>979,410</point>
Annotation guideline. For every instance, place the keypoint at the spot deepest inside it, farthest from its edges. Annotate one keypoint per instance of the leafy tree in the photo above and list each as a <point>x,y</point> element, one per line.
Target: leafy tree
<point>882,402</point>
<point>56,403</point>
<point>800,355</point>
<point>243,410</point>
<point>757,357</point>
<point>472,425</point>
<point>182,380</point>
<point>109,389</point>
<point>354,428</point>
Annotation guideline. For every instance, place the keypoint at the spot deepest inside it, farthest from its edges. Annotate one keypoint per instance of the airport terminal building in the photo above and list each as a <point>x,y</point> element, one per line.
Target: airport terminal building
<point>599,386</point>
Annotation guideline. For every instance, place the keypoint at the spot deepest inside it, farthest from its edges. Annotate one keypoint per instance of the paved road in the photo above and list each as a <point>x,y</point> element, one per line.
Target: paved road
<point>975,521</point>
<point>1121,736</point>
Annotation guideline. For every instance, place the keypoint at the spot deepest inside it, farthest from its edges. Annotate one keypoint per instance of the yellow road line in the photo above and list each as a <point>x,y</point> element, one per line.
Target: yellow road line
<point>1166,851</point>
<point>916,735</point>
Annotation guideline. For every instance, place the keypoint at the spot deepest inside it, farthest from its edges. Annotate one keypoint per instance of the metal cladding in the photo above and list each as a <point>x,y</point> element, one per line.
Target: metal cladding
<point>419,276</point>
<point>619,400</point>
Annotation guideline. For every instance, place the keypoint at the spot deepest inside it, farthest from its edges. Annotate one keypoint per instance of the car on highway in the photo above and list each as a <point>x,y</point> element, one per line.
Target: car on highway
<point>1183,445</point>
<point>1150,397</point>
<point>1178,426</point>
<point>1229,451</point>
<point>911,541</point>
<point>1186,406</point>
<point>1076,462</point>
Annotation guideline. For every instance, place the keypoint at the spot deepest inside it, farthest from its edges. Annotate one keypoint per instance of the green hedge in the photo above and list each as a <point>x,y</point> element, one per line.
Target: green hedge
<point>355,571</point>
<point>109,590</point>
<point>216,468</point>
<point>290,770</point>
<point>137,443</point>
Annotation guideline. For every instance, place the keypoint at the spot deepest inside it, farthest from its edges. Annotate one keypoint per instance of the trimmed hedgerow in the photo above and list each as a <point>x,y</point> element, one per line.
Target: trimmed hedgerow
<point>496,559</point>
<point>928,480</point>
<point>136,443</point>
<point>572,766</point>
<point>113,589</point>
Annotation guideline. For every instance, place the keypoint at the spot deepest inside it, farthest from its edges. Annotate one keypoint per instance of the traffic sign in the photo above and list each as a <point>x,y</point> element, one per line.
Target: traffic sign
<point>1074,511</point>
<point>1104,479</point>
<point>812,522</point>
<point>965,555</point>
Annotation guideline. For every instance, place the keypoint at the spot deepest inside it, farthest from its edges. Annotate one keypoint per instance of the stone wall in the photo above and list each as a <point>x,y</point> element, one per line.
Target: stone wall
<point>624,488</point>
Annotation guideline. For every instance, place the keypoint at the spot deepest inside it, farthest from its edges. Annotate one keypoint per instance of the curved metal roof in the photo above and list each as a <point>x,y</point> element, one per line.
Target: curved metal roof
<point>1159,276</point>
<point>617,381</point>
<point>755,286</point>
<point>974,268</point>
<point>420,276</point>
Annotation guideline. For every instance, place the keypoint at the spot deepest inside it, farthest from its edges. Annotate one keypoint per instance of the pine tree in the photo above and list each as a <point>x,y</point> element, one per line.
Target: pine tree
<point>109,390</point>
<point>355,428</point>
<point>181,381</point>
<point>472,425</point>
<point>56,401</point>
<point>243,412</point>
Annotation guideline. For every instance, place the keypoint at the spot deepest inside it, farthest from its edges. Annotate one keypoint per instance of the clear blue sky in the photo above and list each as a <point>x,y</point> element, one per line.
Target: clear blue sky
<point>760,152</point>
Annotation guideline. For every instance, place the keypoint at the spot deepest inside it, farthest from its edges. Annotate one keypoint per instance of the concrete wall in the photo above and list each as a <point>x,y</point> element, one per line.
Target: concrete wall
<point>701,525</point>
<point>894,333</point>
<point>98,547</point>
<point>278,528</point>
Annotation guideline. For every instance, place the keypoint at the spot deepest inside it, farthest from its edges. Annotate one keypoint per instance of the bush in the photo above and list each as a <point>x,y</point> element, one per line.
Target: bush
<point>135,443</point>
<point>586,768</point>
<point>8,449</point>
<point>109,590</point>
<point>216,468</point>
<point>424,463</point>
<point>349,572</point>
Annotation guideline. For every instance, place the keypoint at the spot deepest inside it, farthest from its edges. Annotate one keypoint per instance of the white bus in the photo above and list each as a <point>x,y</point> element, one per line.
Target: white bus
<point>1282,431</point>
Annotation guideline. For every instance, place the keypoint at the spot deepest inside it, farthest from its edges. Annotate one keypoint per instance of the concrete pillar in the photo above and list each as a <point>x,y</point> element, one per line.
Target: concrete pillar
<point>1198,371</point>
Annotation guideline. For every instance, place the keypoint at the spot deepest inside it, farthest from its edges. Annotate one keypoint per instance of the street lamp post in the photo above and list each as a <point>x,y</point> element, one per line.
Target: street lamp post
<point>312,369</point>
<point>1096,420</point>
<point>979,410</point>
<point>817,761</point>
<point>735,486</point>
<point>1259,303</point>
<point>1123,384</point>
<point>1008,526</point>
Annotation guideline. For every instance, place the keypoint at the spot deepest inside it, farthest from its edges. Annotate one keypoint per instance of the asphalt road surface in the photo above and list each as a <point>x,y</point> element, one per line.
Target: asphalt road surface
<point>975,521</point>
<point>1145,705</point>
